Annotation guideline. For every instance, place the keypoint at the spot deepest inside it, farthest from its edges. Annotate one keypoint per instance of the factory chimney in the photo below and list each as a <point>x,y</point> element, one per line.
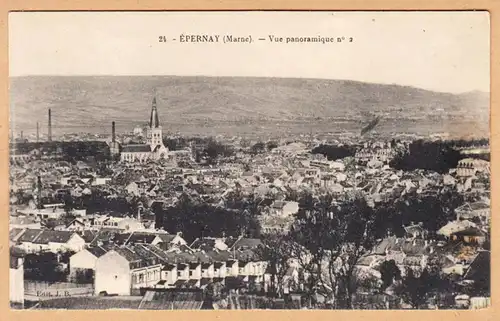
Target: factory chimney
<point>37,132</point>
<point>50,126</point>
<point>113,138</point>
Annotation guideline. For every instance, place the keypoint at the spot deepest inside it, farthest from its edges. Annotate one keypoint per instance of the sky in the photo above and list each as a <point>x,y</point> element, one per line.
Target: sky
<point>441,51</point>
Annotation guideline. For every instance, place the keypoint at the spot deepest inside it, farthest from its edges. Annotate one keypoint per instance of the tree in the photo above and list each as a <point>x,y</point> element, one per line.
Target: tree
<point>336,238</point>
<point>333,152</point>
<point>438,156</point>
<point>271,145</point>
<point>389,272</point>
<point>276,251</point>
<point>258,148</point>
<point>196,219</point>
<point>417,290</point>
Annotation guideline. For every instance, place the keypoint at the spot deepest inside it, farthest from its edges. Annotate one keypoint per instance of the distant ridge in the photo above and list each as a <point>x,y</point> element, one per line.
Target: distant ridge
<point>94,101</point>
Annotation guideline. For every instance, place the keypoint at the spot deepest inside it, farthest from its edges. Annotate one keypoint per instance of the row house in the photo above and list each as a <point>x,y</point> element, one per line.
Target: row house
<point>125,269</point>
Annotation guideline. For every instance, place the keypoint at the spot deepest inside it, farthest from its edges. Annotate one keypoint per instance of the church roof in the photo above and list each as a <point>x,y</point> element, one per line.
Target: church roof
<point>136,148</point>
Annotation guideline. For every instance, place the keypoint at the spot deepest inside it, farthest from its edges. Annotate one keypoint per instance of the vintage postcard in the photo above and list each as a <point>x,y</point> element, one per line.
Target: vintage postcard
<point>249,160</point>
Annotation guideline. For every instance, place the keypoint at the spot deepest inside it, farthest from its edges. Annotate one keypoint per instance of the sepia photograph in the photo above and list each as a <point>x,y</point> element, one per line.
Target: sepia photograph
<point>249,160</point>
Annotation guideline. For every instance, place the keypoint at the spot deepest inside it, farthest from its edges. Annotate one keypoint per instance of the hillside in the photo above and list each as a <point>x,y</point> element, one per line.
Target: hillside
<point>190,103</point>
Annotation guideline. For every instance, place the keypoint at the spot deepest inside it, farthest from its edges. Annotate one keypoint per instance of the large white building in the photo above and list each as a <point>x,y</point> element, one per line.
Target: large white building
<point>154,149</point>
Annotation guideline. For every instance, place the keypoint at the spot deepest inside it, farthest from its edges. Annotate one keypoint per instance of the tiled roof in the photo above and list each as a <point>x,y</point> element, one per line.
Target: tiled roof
<point>136,149</point>
<point>219,256</point>
<point>246,243</point>
<point>30,235</point>
<point>22,220</point>
<point>128,254</point>
<point>15,233</point>
<point>97,251</point>
<point>167,238</point>
<point>141,238</point>
<point>168,267</point>
<point>205,244</point>
<point>54,237</point>
<point>409,247</point>
<point>88,236</point>
<point>480,266</point>
<point>246,255</point>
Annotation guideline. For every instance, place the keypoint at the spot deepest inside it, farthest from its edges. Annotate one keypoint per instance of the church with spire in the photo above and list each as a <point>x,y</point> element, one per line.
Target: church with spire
<point>154,149</point>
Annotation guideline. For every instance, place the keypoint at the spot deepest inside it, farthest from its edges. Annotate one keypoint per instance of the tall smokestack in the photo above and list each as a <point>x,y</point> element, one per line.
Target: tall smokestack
<point>37,132</point>
<point>50,126</point>
<point>22,136</point>
<point>113,137</point>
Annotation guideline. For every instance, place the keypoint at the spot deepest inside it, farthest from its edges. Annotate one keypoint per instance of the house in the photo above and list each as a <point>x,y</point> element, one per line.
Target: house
<point>16,277</point>
<point>470,166</point>
<point>232,268</point>
<point>171,239</point>
<point>145,238</point>
<point>243,243</point>
<point>85,260</point>
<point>455,226</point>
<point>127,224</point>
<point>209,243</point>
<point>98,181</point>
<point>468,211</point>
<point>79,225</point>
<point>183,271</point>
<point>411,254</point>
<point>169,274</point>
<point>194,271</point>
<point>208,270</point>
<point>24,222</point>
<point>53,211</point>
<point>133,188</point>
<point>15,234</point>
<point>285,209</point>
<point>220,270</point>
<point>35,240</point>
<point>469,235</point>
<point>415,231</point>
<point>125,270</point>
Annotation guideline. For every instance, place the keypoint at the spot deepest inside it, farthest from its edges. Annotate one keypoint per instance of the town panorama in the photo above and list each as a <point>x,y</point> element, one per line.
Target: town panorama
<point>144,218</point>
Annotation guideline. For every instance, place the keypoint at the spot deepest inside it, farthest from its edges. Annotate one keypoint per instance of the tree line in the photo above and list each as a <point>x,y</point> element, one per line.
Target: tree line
<point>198,219</point>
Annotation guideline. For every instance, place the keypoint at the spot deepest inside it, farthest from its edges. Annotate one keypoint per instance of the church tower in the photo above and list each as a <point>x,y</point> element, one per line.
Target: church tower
<point>155,133</point>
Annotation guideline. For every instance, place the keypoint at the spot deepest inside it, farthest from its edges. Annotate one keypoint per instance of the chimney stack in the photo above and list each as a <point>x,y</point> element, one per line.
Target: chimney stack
<point>22,135</point>
<point>113,132</point>
<point>50,126</point>
<point>37,132</point>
